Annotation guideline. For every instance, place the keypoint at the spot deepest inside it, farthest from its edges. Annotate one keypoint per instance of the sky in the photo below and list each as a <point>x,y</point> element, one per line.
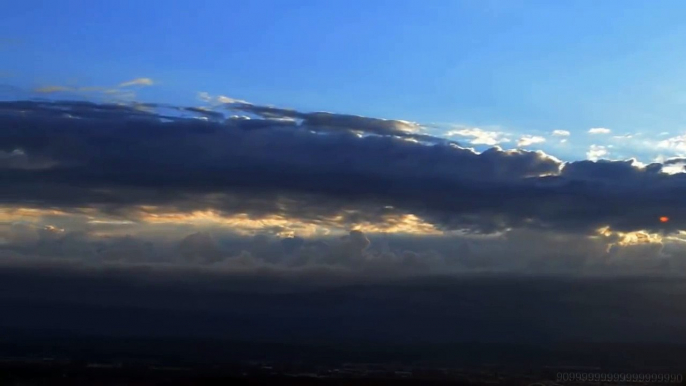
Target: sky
<point>345,141</point>
<point>520,67</point>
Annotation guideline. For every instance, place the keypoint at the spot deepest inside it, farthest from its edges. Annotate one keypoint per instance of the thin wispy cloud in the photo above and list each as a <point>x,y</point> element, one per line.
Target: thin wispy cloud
<point>219,99</point>
<point>120,92</point>
<point>477,136</point>
<point>225,99</point>
<point>529,140</point>
<point>623,137</point>
<point>137,82</point>
<point>53,89</point>
<point>561,133</point>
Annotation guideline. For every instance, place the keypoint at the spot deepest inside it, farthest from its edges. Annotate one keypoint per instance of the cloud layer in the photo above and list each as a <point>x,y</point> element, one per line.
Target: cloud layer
<point>117,158</point>
<point>247,211</point>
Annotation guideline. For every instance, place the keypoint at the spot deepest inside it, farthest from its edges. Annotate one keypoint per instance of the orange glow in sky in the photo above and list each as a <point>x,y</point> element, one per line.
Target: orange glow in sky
<point>664,219</point>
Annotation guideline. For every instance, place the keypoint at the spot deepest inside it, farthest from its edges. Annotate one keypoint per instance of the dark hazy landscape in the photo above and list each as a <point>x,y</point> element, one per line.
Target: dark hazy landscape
<point>97,315</point>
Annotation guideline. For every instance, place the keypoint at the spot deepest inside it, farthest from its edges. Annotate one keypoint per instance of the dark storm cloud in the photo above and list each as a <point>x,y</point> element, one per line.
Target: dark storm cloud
<point>323,121</point>
<point>116,157</point>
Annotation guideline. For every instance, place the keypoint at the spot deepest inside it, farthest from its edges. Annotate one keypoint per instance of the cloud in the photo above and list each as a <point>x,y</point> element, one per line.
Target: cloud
<point>479,137</point>
<point>32,242</point>
<point>529,140</point>
<point>137,82</point>
<point>53,89</point>
<point>674,165</point>
<point>596,152</point>
<point>200,247</point>
<point>264,169</point>
<point>561,133</point>
<point>676,144</point>
<point>599,130</point>
<point>218,218</point>
<point>117,93</point>
<point>225,99</point>
<point>517,251</point>
<point>325,121</point>
<point>17,159</point>
<point>336,167</point>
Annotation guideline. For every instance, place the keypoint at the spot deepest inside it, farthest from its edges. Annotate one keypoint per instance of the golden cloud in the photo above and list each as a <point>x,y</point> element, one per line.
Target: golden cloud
<point>623,239</point>
<point>283,226</point>
<point>9,214</point>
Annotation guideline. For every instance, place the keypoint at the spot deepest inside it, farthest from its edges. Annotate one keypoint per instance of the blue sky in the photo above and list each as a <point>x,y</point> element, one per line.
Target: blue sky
<point>519,67</point>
